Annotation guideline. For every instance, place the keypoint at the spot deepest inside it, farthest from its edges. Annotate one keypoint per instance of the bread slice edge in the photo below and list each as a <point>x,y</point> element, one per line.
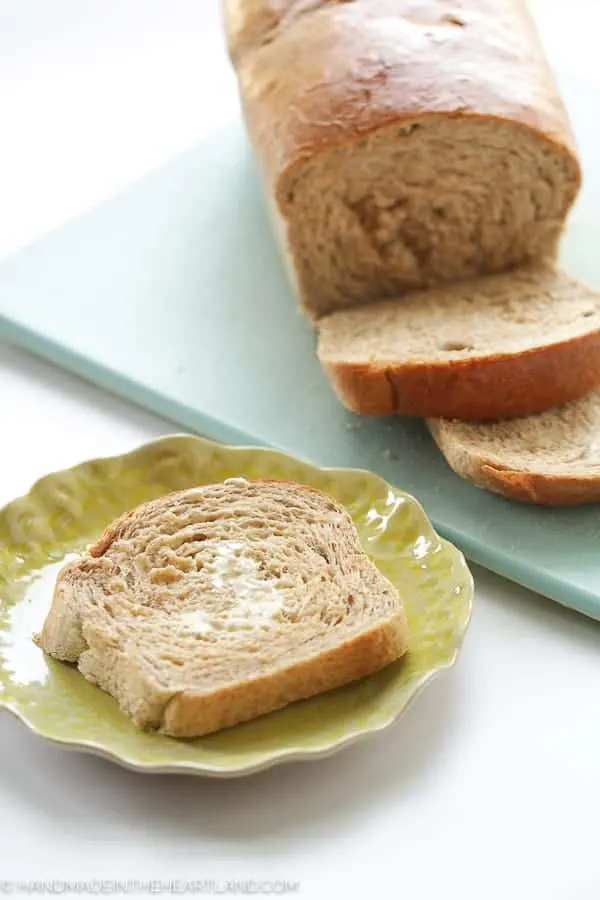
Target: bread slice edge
<point>192,714</point>
<point>524,485</point>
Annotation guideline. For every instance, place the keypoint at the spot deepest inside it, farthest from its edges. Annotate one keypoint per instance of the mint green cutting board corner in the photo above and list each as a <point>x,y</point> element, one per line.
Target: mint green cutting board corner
<point>173,295</point>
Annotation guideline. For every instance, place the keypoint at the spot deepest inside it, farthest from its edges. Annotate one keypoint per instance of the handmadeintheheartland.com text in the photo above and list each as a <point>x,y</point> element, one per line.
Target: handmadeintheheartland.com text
<point>115,887</point>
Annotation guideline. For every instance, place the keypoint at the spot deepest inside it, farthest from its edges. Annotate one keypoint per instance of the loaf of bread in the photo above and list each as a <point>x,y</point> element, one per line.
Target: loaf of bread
<point>495,347</point>
<point>212,606</point>
<point>403,144</point>
<point>552,459</point>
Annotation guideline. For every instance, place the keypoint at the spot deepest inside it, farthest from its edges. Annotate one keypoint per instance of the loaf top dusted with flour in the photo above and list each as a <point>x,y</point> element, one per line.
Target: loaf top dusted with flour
<point>212,606</point>
<point>402,144</point>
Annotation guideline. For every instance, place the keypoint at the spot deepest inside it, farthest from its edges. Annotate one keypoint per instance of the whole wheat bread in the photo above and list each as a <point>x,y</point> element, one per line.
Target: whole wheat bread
<point>496,347</point>
<point>212,606</point>
<point>402,144</point>
<point>550,459</point>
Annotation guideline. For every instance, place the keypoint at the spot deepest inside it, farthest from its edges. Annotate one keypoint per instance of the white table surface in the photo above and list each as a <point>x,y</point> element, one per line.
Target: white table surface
<point>488,787</point>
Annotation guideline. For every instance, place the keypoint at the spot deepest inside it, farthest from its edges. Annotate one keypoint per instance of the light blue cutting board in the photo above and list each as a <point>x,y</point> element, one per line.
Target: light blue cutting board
<point>173,295</point>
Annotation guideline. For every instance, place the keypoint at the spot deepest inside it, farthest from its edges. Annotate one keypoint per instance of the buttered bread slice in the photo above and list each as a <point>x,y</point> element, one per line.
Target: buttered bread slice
<point>212,606</point>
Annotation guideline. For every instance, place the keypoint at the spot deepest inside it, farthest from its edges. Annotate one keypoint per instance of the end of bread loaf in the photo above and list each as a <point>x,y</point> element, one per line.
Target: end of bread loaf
<point>212,606</point>
<point>404,147</point>
<point>355,233</point>
<point>497,347</point>
<point>551,459</point>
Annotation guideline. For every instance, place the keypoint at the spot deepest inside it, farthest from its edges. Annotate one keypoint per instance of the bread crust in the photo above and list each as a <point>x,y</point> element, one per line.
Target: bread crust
<point>316,74</point>
<point>482,389</point>
<point>524,486</point>
<point>191,714</point>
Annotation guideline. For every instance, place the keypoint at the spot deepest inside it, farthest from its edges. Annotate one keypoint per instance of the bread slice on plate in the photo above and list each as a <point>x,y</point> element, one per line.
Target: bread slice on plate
<point>212,606</point>
<point>492,348</point>
<point>550,459</point>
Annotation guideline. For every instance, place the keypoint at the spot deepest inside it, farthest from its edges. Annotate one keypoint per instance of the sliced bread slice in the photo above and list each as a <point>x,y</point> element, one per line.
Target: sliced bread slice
<point>550,459</point>
<point>496,347</point>
<point>212,606</point>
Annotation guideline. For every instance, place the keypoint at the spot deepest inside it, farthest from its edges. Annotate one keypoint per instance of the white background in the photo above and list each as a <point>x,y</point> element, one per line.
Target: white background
<point>489,787</point>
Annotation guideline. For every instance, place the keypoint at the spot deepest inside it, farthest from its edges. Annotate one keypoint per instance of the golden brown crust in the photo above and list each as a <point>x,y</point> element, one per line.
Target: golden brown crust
<point>539,488</point>
<point>319,73</point>
<point>494,387</point>
<point>188,714</point>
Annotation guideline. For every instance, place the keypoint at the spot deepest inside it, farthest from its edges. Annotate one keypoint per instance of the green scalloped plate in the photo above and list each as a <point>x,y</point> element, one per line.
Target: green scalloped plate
<point>65,511</point>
